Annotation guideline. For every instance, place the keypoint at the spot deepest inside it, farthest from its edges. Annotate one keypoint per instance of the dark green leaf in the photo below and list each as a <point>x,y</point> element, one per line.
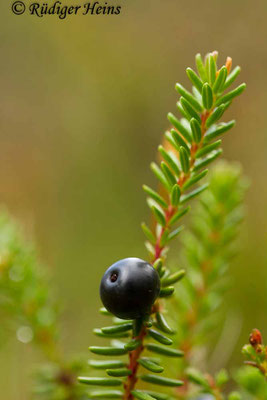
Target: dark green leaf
<point>159,174</point>
<point>168,173</point>
<point>179,126</point>
<point>216,114</point>
<point>178,215</point>
<point>163,324</point>
<point>211,157</point>
<point>158,396</point>
<point>179,141</point>
<point>194,193</point>
<point>132,345</point>
<point>159,216</point>
<point>194,179</point>
<point>196,130</point>
<point>189,110</point>
<point>219,83</point>
<point>119,372</point>
<point>100,381</point>
<point>150,365</point>
<point>117,328</point>
<point>232,77</point>
<point>175,232</point>
<point>229,96</point>
<point>207,149</point>
<point>218,130</point>
<point>159,337</point>
<point>175,195</point>
<point>104,394</point>
<point>166,292</point>
<point>150,236</point>
<point>156,348</point>
<point>98,332</point>
<point>160,380</point>
<point>99,364</point>
<point>184,159</point>
<point>155,196</point>
<point>140,395</point>
<point>173,278</point>
<point>194,79</point>
<point>108,351</point>
<point>189,97</point>
<point>207,96</point>
<point>170,159</point>
<point>201,68</point>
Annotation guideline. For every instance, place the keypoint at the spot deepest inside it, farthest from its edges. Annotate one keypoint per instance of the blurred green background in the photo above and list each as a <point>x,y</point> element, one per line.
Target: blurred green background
<point>82,109</point>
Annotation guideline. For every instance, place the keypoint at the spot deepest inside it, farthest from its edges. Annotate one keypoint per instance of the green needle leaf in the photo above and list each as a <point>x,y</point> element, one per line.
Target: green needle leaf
<point>155,196</point>
<point>179,126</point>
<point>196,130</point>
<point>100,381</point>
<point>150,365</point>
<point>98,332</point>
<point>159,380</point>
<point>211,157</point>
<point>119,372</point>
<point>169,158</point>
<point>117,328</point>
<point>184,159</point>
<point>188,96</point>
<point>229,96</point>
<point>194,193</point>
<point>104,394</point>
<point>175,195</point>
<point>173,278</point>
<point>150,236</point>
<point>158,396</point>
<point>207,149</point>
<point>179,141</point>
<point>168,173</point>
<point>159,174</point>
<point>108,351</point>
<point>132,345</point>
<point>201,68</point>
<point>104,311</point>
<point>163,324</point>
<point>178,215</point>
<point>194,179</point>
<point>189,110</point>
<point>98,364</point>
<point>217,113</point>
<point>218,130</point>
<point>175,232</point>
<point>232,77</point>
<point>194,79</point>
<point>166,292</point>
<point>155,348</point>
<point>140,395</point>
<point>207,96</point>
<point>211,68</point>
<point>159,216</point>
<point>219,83</point>
<point>159,337</point>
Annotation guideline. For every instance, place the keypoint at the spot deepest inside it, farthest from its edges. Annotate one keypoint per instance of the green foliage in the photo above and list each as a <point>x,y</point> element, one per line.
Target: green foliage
<point>188,150</point>
<point>28,308</point>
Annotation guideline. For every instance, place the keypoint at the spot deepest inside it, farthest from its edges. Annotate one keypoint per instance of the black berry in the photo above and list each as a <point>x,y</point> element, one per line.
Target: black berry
<point>129,288</point>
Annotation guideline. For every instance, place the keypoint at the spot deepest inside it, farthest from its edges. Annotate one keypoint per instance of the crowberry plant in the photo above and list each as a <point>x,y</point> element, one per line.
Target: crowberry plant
<point>154,328</point>
<point>192,145</point>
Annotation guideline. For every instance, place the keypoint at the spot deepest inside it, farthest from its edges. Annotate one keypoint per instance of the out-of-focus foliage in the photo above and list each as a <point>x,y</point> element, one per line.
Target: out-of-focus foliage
<point>26,301</point>
<point>27,307</point>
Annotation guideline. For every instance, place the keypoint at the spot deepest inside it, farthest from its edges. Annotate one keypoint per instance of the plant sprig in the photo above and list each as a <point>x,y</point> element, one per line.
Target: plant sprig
<point>193,147</point>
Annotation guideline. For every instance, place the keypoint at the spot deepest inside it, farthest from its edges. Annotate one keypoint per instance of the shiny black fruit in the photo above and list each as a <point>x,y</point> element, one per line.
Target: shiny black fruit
<point>129,288</point>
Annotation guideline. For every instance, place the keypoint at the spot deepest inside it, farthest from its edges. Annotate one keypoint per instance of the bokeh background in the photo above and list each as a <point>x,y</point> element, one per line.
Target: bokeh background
<point>82,109</point>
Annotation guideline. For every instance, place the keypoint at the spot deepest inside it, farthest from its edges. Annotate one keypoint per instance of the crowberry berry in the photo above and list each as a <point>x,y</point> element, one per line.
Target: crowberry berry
<point>129,288</point>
